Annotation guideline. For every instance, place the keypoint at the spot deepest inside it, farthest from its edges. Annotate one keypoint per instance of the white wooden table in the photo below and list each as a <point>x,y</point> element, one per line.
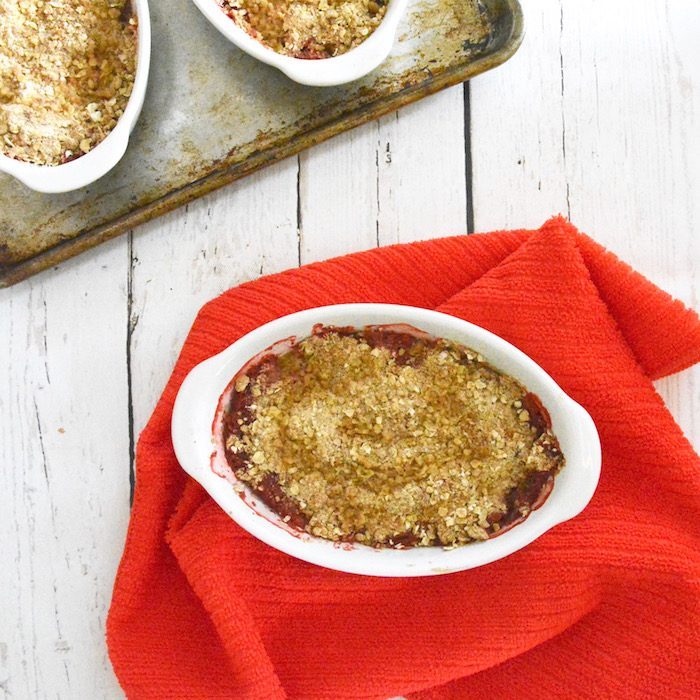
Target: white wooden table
<point>596,117</point>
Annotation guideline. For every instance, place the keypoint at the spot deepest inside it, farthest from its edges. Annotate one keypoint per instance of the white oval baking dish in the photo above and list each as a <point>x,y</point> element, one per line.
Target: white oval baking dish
<point>53,179</point>
<point>336,70</point>
<point>199,451</point>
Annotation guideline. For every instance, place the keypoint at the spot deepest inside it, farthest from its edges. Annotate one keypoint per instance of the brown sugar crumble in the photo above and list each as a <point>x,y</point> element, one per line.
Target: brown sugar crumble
<point>389,438</point>
<point>307,28</point>
<point>66,73</point>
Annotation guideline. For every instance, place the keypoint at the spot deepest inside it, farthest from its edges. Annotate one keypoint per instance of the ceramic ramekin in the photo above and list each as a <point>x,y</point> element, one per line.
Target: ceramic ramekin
<point>337,70</point>
<point>52,179</point>
<point>197,445</point>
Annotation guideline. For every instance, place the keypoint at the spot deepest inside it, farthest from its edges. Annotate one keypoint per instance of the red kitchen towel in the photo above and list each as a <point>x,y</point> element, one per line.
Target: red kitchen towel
<point>604,606</point>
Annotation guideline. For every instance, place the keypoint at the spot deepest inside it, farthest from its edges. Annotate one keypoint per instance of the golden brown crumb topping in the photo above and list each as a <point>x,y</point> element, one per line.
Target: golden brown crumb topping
<point>307,28</point>
<point>389,440</point>
<point>66,73</point>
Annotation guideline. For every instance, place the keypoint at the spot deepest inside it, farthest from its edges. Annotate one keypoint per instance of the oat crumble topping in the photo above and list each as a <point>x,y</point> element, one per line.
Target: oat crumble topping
<point>307,28</point>
<point>66,73</point>
<point>417,442</point>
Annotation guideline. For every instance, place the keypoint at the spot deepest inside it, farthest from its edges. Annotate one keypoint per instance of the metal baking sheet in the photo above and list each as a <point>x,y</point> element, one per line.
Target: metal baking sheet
<point>213,114</point>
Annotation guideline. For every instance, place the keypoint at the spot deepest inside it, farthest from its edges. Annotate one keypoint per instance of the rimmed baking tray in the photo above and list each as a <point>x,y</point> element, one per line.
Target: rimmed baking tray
<point>213,115</point>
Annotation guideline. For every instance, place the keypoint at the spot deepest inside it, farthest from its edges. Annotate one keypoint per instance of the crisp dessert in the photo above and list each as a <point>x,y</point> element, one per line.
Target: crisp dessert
<point>66,73</point>
<point>389,437</point>
<point>307,28</point>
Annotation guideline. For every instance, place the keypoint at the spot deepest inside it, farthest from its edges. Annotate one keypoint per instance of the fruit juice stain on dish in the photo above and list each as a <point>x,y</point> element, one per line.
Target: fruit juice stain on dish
<point>307,28</point>
<point>389,437</point>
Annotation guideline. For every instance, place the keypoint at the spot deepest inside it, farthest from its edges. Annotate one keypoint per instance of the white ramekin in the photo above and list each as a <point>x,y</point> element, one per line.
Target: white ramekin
<point>337,70</point>
<point>195,418</point>
<point>52,179</point>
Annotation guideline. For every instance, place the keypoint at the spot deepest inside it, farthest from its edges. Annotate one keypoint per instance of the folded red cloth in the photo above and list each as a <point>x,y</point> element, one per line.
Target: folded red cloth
<point>606,605</point>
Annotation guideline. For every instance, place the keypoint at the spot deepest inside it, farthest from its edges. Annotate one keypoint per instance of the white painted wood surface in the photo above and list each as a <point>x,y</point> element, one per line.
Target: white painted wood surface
<point>597,116</point>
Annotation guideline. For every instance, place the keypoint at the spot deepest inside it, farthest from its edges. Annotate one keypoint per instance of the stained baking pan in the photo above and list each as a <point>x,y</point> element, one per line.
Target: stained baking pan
<point>214,114</point>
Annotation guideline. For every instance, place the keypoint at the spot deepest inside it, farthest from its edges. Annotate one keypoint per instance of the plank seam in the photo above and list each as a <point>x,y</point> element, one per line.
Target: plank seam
<point>563,111</point>
<point>468,162</point>
<point>130,326</point>
<point>299,210</point>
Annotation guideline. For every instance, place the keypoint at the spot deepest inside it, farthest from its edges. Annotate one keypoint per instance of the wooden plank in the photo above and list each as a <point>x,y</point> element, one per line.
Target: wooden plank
<point>338,195</point>
<point>395,180</point>
<point>517,157</point>
<point>63,475</point>
<point>421,176</point>
<point>604,100</point>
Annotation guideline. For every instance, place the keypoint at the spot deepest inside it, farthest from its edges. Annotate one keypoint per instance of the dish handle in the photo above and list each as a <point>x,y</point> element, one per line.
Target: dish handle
<point>588,458</point>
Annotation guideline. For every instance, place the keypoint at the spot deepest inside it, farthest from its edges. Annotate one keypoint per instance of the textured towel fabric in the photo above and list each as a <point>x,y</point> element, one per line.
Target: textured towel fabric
<point>604,606</point>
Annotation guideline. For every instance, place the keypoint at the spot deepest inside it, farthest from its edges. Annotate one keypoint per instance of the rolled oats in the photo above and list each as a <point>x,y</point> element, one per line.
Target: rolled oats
<point>66,73</point>
<point>307,28</point>
<point>390,439</point>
